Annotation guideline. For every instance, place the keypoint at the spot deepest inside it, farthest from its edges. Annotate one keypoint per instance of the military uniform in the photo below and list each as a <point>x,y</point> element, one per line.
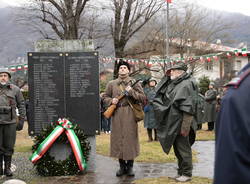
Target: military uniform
<point>232,148</point>
<point>10,99</point>
<point>124,139</point>
<point>174,107</point>
<point>124,135</point>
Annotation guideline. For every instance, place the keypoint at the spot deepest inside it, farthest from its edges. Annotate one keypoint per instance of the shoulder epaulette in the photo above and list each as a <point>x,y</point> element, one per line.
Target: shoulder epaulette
<point>237,80</point>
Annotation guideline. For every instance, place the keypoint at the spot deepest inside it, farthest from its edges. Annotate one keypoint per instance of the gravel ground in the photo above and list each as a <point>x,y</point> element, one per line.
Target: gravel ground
<point>24,168</point>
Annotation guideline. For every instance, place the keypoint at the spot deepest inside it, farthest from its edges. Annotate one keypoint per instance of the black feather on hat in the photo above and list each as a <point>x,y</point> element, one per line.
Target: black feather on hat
<point>121,62</point>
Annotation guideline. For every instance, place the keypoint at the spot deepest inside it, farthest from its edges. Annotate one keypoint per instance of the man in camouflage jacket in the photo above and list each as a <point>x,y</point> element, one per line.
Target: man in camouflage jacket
<point>10,98</point>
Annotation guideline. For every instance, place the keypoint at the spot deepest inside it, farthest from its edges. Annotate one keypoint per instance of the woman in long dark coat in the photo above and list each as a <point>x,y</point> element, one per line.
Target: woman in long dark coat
<point>210,106</point>
<point>149,119</point>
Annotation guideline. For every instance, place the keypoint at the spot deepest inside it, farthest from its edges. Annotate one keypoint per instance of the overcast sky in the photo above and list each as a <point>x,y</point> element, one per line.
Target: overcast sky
<point>8,2</point>
<point>241,6</point>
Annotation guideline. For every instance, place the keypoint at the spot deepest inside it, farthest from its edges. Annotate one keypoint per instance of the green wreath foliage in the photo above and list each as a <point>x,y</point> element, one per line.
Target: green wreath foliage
<point>48,166</point>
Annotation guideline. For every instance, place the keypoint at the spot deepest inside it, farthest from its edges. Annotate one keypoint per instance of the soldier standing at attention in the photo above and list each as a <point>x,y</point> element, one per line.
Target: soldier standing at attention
<point>124,142</point>
<point>232,148</point>
<point>10,98</point>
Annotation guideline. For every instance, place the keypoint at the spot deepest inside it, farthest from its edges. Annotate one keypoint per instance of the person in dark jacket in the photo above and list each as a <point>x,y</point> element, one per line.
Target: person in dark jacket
<point>200,111</point>
<point>232,148</point>
<point>149,119</point>
<point>210,106</point>
<point>27,107</point>
<point>105,122</point>
<point>10,98</point>
<point>221,94</point>
<point>174,106</point>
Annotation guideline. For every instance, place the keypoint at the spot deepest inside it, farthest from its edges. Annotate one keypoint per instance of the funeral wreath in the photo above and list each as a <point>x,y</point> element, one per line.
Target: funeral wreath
<point>62,132</point>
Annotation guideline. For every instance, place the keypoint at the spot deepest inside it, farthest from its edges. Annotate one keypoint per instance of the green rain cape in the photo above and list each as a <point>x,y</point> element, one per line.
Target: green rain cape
<point>173,97</point>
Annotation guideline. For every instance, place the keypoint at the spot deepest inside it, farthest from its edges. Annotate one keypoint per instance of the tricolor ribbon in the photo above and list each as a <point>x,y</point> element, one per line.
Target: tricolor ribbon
<point>63,125</point>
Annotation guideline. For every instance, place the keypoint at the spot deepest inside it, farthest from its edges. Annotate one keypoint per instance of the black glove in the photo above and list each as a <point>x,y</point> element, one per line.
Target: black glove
<point>19,125</point>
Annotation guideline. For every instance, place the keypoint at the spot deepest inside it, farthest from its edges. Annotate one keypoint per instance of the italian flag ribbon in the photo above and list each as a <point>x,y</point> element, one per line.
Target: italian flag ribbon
<point>63,125</point>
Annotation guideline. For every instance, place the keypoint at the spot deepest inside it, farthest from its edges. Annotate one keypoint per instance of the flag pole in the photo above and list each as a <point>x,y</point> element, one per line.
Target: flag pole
<point>166,31</point>
<point>167,37</point>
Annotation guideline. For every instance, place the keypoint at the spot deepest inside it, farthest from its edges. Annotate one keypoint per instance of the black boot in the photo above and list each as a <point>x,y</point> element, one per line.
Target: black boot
<point>130,171</point>
<point>199,126</point>
<point>7,166</point>
<point>210,126</point>
<point>1,165</point>
<point>156,138</point>
<point>150,138</point>
<point>122,169</point>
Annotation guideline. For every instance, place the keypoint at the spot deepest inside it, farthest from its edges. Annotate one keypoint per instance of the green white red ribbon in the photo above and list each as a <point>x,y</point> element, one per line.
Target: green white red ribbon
<point>63,125</point>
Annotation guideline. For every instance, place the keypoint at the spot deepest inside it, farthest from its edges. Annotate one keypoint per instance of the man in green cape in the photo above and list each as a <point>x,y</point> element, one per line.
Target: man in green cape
<point>175,108</point>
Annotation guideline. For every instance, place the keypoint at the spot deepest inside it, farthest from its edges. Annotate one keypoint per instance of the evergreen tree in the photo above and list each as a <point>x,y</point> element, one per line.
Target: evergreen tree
<point>203,84</point>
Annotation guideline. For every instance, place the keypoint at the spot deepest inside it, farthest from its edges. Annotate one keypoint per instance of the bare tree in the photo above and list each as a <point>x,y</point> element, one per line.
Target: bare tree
<point>129,17</point>
<point>191,31</point>
<point>146,41</point>
<point>95,26</point>
<point>193,27</point>
<point>63,16</point>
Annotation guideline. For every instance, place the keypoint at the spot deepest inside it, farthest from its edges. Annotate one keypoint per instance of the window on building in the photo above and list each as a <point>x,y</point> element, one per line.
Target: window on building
<point>238,65</point>
<point>208,65</point>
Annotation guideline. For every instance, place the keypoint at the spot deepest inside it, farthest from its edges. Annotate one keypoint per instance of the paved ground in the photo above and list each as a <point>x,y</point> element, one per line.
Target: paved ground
<point>106,168</point>
<point>205,165</point>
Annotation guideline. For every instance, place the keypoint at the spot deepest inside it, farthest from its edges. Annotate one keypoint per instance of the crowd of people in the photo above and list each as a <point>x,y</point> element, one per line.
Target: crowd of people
<point>169,114</point>
<point>174,109</point>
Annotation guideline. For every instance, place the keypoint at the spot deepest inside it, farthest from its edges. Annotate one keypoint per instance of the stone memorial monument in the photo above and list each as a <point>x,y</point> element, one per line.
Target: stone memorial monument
<point>64,83</point>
